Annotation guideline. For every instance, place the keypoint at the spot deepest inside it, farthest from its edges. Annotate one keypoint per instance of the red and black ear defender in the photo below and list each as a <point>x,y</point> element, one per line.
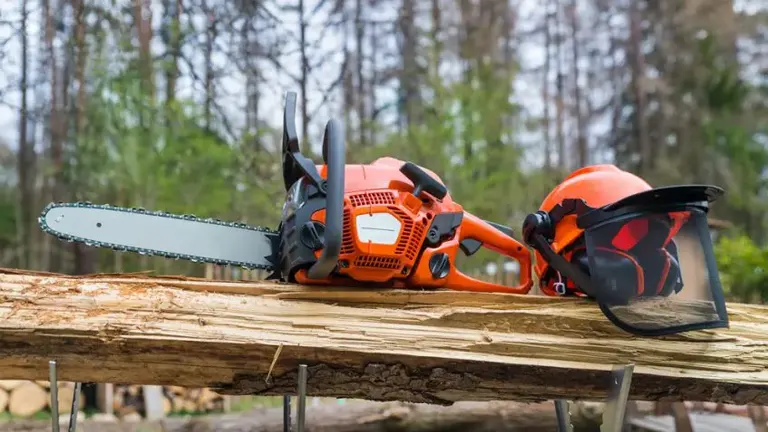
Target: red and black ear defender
<point>643,269</point>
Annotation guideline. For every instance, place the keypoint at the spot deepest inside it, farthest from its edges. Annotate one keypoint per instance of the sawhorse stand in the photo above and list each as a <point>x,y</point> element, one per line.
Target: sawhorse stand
<point>615,407</point>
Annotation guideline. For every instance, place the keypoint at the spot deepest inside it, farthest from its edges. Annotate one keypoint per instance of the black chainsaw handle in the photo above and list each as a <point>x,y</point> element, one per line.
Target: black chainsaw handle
<point>295,164</point>
<point>334,154</point>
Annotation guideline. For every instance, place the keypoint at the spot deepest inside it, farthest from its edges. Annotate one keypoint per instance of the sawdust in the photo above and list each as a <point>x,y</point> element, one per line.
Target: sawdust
<point>95,292</point>
<point>48,289</point>
<point>19,304</point>
<point>138,288</point>
<point>55,318</point>
<point>96,312</point>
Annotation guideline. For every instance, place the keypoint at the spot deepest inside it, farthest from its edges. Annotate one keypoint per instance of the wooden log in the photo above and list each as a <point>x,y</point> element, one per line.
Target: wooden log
<point>10,384</point>
<point>418,346</point>
<point>176,390</point>
<point>67,396</point>
<point>3,399</point>
<point>27,399</point>
<point>127,400</point>
<point>167,406</point>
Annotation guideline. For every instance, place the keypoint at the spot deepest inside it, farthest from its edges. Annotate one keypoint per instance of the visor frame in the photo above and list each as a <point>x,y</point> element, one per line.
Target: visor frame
<point>657,200</point>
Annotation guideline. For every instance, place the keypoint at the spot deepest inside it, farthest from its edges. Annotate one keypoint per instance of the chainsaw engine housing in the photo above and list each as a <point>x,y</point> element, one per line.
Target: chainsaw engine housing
<point>388,223</point>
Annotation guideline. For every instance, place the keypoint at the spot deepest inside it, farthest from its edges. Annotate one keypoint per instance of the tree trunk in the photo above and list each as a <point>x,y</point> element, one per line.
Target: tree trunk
<point>409,76</point>
<point>25,153</point>
<point>85,257</point>
<point>562,162</point>
<point>545,89</point>
<point>57,126</point>
<point>374,81</point>
<point>173,37</point>
<point>210,41</point>
<point>143,22</point>
<point>638,77</point>
<point>359,63</point>
<point>415,346</point>
<point>435,36</point>
<point>348,86</point>
<point>582,150</point>
<point>305,71</point>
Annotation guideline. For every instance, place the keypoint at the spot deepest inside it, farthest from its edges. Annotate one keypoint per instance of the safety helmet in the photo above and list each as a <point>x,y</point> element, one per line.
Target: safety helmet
<point>587,184</point>
<point>606,234</point>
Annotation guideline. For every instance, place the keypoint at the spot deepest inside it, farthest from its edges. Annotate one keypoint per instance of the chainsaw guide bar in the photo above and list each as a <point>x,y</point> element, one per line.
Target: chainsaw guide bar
<point>157,233</point>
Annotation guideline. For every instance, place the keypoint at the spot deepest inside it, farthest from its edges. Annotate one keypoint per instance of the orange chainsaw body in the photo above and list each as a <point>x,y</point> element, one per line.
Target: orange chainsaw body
<point>385,228</point>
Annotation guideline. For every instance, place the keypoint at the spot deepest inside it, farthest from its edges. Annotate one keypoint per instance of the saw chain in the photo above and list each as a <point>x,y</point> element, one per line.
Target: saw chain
<point>150,252</point>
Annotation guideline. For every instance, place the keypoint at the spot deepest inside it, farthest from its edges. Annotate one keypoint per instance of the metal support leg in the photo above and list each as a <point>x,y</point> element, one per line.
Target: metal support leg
<point>54,379</point>
<point>75,408</point>
<point>301,407</point>
<point>616,407</point>
<point>287,413</point>
<point>563,411</point>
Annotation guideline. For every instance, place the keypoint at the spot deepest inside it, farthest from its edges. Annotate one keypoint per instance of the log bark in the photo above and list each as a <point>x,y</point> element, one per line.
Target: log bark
<point>417,346</point>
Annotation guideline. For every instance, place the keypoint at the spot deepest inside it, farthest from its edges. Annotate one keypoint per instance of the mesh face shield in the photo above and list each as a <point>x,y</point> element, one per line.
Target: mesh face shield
<point>647,259</point>
<point>654,272</point>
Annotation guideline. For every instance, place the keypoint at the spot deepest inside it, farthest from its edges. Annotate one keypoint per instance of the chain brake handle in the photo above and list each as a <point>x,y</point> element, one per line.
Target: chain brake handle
<point>297,166</point>
<point>474,230</point>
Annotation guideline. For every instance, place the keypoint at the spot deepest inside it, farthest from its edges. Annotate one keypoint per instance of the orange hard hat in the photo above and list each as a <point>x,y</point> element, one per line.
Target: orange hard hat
<point>597,186</point>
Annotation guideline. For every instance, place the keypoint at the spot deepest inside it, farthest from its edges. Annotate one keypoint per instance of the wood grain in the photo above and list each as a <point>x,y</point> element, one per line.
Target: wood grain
<point>416,346</point>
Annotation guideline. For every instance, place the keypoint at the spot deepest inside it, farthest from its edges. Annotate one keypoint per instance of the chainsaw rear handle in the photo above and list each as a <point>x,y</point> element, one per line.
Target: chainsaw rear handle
<point>494,239</point>
<point>334,155</point>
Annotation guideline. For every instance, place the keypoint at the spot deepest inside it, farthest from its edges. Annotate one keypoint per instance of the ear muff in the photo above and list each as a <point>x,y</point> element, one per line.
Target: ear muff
<point>654,274</point>
<point>624,275</point>
<point>662,273</point>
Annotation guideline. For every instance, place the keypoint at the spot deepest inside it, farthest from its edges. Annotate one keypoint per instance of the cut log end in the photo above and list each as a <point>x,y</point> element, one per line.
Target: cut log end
<point>27,399</point>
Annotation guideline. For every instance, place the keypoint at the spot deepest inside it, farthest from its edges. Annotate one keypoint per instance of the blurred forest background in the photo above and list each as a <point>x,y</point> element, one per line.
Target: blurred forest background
<point>176,105</point>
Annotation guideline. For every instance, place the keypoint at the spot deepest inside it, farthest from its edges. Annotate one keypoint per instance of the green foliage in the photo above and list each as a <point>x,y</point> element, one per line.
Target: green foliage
<point>134,150</point>
<point>743,268</point>
<point>732,141</point>
<point>465,135</point>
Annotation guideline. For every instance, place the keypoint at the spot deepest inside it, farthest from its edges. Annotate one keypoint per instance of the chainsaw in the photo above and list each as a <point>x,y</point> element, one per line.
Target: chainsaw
<point>388,223</point>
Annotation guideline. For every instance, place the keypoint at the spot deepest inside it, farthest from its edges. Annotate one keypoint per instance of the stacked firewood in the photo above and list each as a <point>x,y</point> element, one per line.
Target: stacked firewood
<point>129,399</point>
<point>25,398</point>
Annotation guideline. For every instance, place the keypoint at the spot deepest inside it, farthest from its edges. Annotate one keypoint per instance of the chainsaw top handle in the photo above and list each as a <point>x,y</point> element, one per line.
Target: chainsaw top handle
<point>334,156</point>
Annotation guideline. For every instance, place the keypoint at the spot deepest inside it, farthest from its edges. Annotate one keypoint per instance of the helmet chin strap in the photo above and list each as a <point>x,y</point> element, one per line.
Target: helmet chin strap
<point>560,285</point>
<point>559,263</point>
